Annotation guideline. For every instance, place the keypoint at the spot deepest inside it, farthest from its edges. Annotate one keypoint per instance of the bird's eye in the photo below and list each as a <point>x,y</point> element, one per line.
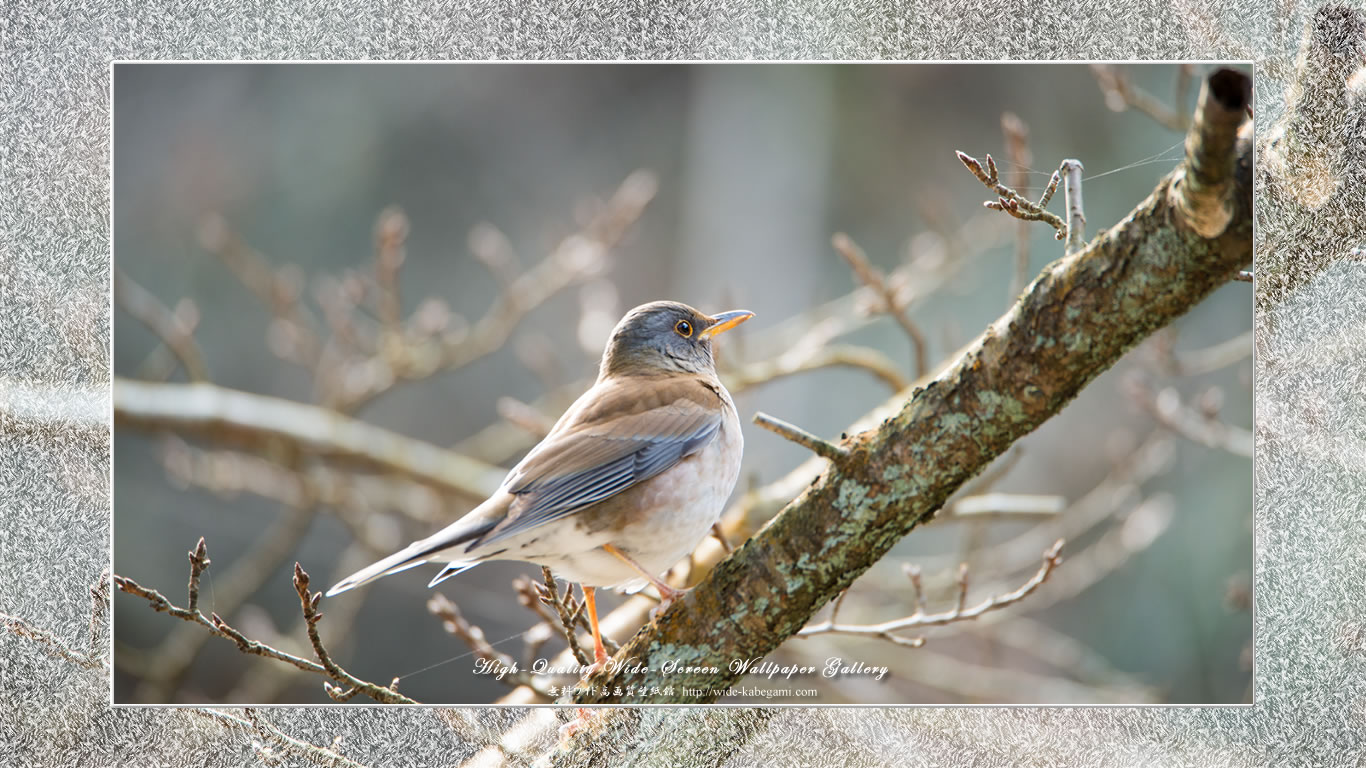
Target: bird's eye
<point>684,329</point>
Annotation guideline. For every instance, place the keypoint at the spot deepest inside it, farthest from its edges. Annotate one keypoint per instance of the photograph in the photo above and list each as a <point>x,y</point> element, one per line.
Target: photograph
<point>811,384</point>
<point>692,385</point>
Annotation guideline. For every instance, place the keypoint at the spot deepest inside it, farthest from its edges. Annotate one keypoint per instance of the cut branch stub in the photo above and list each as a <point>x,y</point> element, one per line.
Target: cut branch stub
<point>1204,192</point>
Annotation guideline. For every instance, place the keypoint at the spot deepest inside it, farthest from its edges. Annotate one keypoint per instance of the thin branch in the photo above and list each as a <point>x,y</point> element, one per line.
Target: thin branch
<point>175,329</point>
<point>199,561</point>
<point>99,608</point>
<point>811,358</point>
<point>1006,505</point>
<point>524,416</point>
<point>391,232</point>
<point>718,533</point>
<point>50,642</point>
<point>456,624</point>
<point>871,277</point>
<point>217,626</point>
<point>887,630</point>
<point>577,258</point>
<point>1203,428</point>
<point>1197,362</point>
<point>311,752</point>
<point>293,327</point>
<point>1012,202</point>
<point>1121,94</point>
<point>309,605</point>
<point>569,615</point>
<point>266,682</point>
<point>1017,145</point>
<point>491,247</point>
<point>1076,218</point>
<point>801,437</point>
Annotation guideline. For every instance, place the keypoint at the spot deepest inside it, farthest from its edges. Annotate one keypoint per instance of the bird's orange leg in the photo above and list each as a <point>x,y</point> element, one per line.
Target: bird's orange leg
<point>667,594</point>
<point>599,652</point>
<point>583,715</point>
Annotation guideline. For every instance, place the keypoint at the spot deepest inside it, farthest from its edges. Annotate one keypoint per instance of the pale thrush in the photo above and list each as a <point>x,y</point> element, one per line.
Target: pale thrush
<point>628,482</point>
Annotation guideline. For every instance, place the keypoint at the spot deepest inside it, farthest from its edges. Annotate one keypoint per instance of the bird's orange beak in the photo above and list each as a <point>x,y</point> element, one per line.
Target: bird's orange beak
<point>725,321</point>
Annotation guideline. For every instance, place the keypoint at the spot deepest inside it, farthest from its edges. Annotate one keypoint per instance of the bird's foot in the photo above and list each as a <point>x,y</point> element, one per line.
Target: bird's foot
<point>600,659</point>
<point>582,717</point>
<point>667,596</point>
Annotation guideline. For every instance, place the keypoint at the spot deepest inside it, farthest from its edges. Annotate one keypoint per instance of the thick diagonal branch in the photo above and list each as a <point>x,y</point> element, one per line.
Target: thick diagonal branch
<point>1079,317</point>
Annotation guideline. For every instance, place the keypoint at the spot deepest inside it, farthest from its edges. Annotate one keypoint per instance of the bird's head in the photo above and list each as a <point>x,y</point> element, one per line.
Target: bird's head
<point>666,336</point>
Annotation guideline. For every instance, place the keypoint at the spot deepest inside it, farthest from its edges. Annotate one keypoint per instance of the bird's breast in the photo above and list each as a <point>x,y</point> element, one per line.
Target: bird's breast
<point>664,518</point>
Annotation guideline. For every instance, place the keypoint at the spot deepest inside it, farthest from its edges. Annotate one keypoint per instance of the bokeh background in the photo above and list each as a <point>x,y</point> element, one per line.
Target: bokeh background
<point>756,166</point>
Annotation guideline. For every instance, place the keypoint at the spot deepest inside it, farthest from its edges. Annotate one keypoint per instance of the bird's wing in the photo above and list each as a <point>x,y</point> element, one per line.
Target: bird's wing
<point>619,434</point>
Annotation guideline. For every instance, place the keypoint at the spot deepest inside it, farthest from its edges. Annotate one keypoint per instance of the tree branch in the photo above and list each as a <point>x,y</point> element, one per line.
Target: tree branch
<point>816,445</point>
<point>217,626</point>
<point>231,415</point>
<point>887,630</point>
<point>877,282</point>
<point>1082,313</point>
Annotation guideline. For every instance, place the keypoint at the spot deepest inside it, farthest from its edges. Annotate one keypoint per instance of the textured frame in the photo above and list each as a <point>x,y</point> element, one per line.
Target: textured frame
<point>54,372</point>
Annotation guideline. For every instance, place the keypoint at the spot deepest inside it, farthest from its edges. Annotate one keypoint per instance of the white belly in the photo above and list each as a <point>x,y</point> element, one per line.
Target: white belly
<point>683,502</point>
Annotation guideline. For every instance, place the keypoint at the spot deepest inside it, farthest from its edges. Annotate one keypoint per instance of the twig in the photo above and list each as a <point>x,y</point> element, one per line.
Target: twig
<point>99,606</point>
<point>175,329</point>
<point>577,258</point>
<point>217,626</point>
<point>1202,428</point>
<point>810,358</point>
<point>279,290</point>
<point>312,752</point>
<point>719,534</point>
<point>456,624</point>
<point>53,644</point>
<point>525,417</point>
<point>265,682</point>
<point>1076,218</point>
<point>199,561</point>
<point>1012,202</point>
<point>391,231</point>
<point>887,629</point>
<point>94,655</point>
<point>491,248</point>
<point>1121,94</point>
<point>1017,145</point>
<point>1197,362</point>
<point>568,616</point>
<point>177,653</point>
<point>801,437</point>
<point>871,277</point>
<point>1008,505</point>
<point>309,604</point>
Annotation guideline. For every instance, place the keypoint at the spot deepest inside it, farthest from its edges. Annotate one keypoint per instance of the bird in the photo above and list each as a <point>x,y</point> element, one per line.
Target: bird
<point>628,481</point>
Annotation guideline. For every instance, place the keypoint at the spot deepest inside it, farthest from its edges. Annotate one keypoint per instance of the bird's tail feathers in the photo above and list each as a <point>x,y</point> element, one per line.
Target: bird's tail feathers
<point>450,570</point>
<point>409,557</point>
